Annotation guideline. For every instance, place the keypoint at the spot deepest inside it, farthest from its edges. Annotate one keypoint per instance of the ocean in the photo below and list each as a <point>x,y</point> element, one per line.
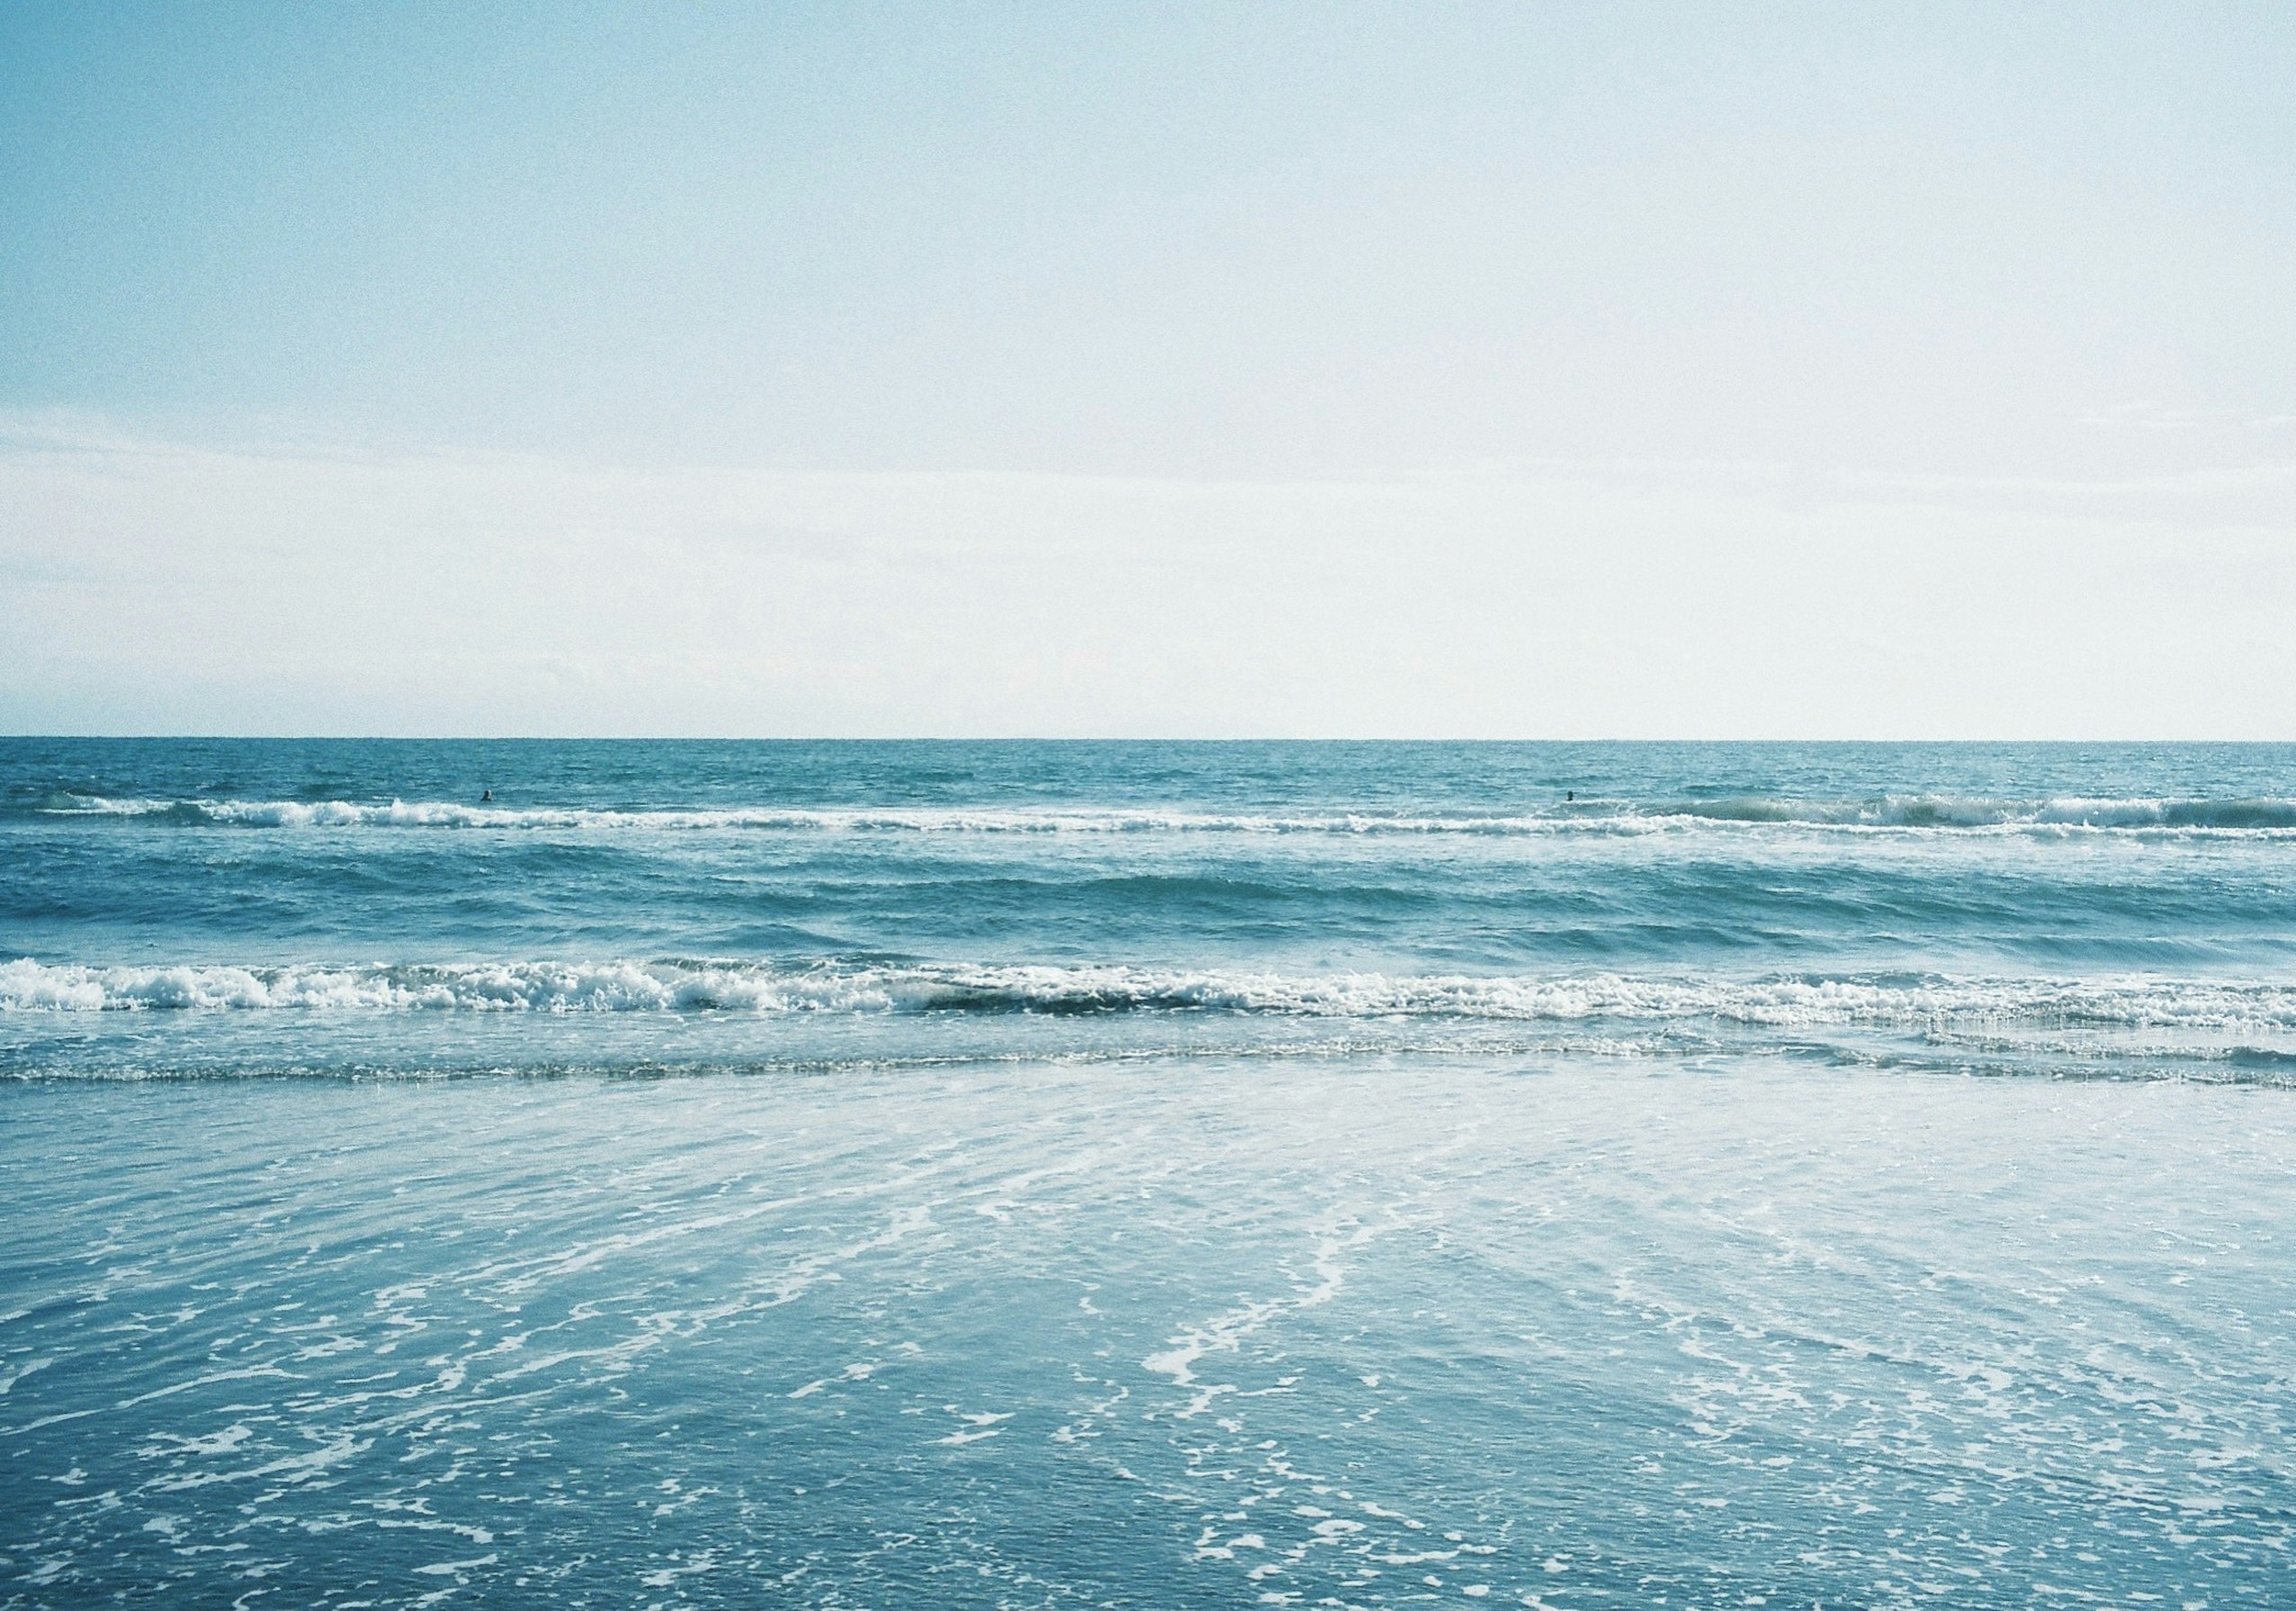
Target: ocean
<point>1140,1174</point>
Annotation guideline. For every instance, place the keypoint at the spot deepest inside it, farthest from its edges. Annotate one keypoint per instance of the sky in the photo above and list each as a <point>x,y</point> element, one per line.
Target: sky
<point>1476,371</point>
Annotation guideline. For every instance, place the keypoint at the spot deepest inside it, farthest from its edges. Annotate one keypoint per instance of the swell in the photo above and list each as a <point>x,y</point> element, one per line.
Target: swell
<point>2260,815</point>
<point>674,986</point>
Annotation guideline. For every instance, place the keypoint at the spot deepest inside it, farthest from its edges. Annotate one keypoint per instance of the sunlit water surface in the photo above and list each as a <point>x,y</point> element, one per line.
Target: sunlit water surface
<point>1148,1176</point>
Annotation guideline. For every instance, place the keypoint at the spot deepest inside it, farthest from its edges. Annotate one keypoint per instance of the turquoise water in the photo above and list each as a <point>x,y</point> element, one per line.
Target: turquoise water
<point>1139,1174</point>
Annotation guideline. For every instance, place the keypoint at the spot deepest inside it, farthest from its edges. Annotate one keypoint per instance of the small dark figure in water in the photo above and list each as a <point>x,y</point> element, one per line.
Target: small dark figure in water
<point>1570,794</point>
<point>485,795</point>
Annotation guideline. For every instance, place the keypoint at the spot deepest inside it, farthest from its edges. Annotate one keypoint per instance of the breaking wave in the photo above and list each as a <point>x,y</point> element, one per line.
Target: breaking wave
<point>2136,1002</point>
<point>2269,816</point>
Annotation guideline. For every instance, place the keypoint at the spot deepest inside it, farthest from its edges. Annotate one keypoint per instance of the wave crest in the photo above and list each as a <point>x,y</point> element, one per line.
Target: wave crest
<point>2269,816</point>
<point>686,986</point>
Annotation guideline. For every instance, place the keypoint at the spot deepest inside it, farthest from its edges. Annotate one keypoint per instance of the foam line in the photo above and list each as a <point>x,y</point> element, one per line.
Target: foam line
<point>1916,813</point>
<point>689,986</point>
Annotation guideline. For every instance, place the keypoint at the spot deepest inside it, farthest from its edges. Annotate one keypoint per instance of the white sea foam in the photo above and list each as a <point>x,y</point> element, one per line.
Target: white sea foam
<point>2120,1002</point>
<point>2269,816</point>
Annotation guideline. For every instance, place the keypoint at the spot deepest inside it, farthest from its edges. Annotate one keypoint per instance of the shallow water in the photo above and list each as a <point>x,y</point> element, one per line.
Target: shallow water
<point>1145,1175</point>
<point>1151,1335</point>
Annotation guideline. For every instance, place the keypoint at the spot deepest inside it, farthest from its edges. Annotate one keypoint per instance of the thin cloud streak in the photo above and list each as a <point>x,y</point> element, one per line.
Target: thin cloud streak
<point>156,584</point>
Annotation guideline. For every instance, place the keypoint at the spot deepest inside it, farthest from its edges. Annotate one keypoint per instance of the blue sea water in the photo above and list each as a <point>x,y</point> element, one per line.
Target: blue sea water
<point>1144,1174</point>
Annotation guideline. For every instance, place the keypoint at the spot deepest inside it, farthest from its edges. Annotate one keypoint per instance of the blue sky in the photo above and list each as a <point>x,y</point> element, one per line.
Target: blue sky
<point>1528,369</point>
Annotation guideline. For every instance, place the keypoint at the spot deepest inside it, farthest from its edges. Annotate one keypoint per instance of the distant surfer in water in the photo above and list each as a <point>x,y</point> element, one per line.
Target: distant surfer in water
<point>485,795</point>
<point>1570,794</point>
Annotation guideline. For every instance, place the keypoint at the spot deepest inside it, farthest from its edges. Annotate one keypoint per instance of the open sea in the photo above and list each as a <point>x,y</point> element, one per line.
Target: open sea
<point>1018,1175</point>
